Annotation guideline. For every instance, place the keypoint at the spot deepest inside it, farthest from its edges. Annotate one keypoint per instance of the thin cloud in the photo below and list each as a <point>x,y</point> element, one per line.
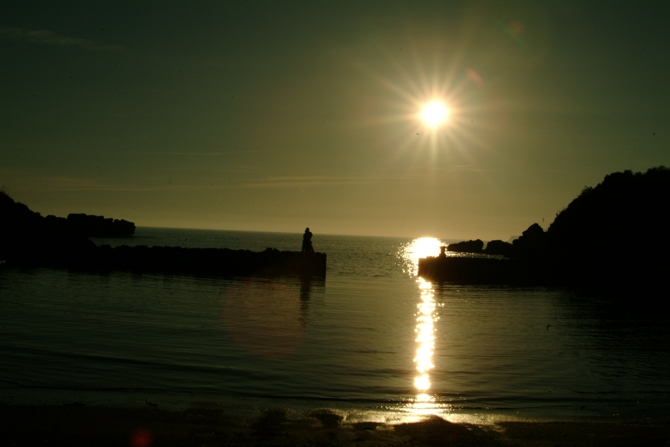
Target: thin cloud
<point>18,179</point>
<point>45,37</point>
<point>70,185</point>
<point>301,182</point>
<point>315,181</point>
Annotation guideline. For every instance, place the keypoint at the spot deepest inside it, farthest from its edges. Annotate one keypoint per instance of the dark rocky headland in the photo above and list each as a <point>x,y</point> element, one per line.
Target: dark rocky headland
<point>615,236</point>
<point>28,239</point>
<point>97,226</point>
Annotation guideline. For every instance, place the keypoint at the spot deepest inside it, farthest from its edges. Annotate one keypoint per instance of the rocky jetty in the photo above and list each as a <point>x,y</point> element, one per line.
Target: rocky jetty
<point>204,261</point>
<point>612,237</point>
<point>467,246</point>
<point>498,247</point>
<point>29,240</point>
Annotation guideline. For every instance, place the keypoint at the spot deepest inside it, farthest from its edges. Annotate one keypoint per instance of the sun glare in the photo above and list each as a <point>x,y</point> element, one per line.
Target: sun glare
<point>417,249</point>
<point>434,113</point>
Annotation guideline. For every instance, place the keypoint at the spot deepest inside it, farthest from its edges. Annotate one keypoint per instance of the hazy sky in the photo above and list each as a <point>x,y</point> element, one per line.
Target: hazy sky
<point>278,115</point>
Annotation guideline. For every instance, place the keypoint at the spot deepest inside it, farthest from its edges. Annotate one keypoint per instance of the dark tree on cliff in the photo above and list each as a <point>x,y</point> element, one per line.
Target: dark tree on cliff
<point>626,206</point>
<point>619,227</point>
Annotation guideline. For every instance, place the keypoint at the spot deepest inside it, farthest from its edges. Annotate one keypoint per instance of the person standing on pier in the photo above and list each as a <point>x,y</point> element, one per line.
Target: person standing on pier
<point>307,241</point>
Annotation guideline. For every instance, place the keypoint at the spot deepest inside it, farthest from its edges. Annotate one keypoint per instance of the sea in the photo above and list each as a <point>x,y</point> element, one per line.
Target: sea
<point>371,340</point>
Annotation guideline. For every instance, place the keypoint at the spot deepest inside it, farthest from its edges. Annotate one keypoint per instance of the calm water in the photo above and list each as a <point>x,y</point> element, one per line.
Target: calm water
<point>371,339</point>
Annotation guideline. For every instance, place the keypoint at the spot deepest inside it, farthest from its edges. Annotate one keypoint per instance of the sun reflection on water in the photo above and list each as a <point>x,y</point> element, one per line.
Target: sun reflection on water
<point>424,403</point>
<point>425,340</point>
<point>417,249</point>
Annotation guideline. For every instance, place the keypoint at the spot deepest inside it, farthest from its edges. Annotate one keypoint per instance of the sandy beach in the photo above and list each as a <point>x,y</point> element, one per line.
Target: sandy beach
<point>79,425</point>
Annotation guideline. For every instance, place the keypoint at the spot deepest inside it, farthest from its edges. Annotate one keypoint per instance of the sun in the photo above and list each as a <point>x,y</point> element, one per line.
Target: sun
<point>434,113</point>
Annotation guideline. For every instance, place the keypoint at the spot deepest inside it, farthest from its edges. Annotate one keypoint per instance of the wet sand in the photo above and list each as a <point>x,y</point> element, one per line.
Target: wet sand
<point>78,425</point>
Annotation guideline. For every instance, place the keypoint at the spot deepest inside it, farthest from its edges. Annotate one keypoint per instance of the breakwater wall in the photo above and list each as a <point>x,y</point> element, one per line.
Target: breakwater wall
<point>180,260</point>
<point>646,281</point>
<point>207,261</point>
<point>474,270</point>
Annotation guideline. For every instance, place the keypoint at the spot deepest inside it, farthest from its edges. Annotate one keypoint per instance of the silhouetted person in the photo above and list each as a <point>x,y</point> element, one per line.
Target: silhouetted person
<point>307,241</point>
<point>442,253</point>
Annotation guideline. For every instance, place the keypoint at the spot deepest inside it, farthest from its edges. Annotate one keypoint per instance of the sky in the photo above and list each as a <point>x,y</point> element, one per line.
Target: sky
<point>278,115</point>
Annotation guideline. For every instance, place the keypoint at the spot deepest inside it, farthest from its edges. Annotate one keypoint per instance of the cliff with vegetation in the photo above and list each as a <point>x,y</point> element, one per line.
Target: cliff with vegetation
<point>28,238</point>
<point>612,235</point>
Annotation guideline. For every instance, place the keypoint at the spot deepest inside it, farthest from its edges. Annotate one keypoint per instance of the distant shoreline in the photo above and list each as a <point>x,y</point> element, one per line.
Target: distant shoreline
<point>27,239</point>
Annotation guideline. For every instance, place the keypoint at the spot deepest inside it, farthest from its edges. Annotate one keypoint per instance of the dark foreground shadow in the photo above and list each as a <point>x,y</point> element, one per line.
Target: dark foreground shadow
<point>216,425</point>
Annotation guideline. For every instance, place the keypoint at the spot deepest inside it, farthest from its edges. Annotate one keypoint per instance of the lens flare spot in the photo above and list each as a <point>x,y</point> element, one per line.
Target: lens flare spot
<point>142,438</point>
<point>474,76</point>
